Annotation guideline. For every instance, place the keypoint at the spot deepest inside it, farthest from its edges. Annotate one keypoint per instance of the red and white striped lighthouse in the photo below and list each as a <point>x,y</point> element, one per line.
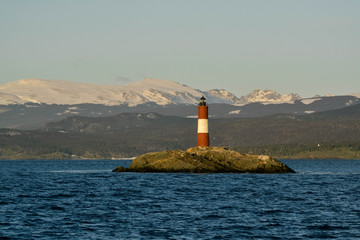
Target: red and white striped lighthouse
<point>203,130</point>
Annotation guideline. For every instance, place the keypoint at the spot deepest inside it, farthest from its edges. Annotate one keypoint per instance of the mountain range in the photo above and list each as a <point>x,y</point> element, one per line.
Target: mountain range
<point>160,92</point>
<point>31,103</point>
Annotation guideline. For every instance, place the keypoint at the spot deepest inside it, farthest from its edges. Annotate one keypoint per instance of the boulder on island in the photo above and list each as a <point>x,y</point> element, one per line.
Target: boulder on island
<point>205,160</point>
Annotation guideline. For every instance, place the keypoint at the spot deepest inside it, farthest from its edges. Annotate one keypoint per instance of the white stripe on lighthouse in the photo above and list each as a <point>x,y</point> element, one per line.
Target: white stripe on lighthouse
<point>203,126</point>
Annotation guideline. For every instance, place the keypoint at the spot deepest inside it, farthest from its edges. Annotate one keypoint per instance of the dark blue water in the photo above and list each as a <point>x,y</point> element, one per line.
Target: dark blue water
<point>84,200</point>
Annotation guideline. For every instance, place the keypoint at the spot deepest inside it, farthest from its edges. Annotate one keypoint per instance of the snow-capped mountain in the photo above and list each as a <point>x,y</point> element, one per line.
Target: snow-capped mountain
<point>161,92</point>
<point>30,103</point>
<point>268,96</point>
<point>224,94</point>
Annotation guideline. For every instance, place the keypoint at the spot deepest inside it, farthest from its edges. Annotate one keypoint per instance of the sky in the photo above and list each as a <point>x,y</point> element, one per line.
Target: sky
<point>307,47</point>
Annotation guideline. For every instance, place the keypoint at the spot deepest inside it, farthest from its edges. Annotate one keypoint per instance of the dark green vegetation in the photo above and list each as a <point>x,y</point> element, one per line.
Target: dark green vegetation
<point>31,116</point>
<point>205,160</point>
<point>331,134</point>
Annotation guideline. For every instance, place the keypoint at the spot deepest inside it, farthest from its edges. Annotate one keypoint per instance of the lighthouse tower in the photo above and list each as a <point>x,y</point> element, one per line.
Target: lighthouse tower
<point>203,130</point>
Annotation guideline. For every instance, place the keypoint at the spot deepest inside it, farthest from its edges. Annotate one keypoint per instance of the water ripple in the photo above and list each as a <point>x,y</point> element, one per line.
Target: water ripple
<point>85,200</point>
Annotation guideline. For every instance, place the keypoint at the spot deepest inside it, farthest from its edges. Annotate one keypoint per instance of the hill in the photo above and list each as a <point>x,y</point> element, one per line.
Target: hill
<point>31,116</point>
<point>336,133</point>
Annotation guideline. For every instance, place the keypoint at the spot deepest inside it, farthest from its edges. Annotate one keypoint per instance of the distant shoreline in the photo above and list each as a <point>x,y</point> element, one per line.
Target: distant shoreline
<point>275,151</point>
<point>13,158</point>
<point>73,159</point>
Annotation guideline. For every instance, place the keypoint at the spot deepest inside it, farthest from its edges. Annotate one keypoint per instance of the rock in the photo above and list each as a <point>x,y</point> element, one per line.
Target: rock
<point>119,169</point>
<point>205,160</point>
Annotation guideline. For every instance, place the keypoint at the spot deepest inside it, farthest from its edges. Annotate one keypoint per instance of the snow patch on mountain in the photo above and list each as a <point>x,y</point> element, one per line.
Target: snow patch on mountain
<point>352,102</point>
<point>235,112</point>
<point>161,92</point>
<point>165,92</point>
<point>60,92</point>
<point>308,101</point>
<point>268,96</point>
<point>6,99</point>
<point>224,94</point>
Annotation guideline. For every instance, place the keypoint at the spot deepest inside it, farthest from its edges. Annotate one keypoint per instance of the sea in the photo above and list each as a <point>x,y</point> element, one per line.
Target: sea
<point>84,199</point>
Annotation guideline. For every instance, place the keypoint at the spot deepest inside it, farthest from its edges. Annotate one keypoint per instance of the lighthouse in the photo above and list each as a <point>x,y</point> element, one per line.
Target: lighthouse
<point>203,130</point>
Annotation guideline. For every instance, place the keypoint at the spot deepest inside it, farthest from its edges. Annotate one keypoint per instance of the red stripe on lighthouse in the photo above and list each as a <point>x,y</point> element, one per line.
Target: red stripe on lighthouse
<point>203,139</point>
<point>203,132</point>
<point>202,112</point>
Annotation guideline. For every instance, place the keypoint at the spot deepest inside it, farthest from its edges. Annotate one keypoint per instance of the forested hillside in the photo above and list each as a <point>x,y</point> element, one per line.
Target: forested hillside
<point>327,134</point>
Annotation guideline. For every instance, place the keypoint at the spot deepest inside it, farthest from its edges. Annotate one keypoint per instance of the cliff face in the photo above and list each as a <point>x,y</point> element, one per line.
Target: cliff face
<point>205,160</point>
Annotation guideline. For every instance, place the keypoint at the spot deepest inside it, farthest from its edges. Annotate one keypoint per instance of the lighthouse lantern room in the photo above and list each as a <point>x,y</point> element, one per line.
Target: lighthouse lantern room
<point>203,130</point>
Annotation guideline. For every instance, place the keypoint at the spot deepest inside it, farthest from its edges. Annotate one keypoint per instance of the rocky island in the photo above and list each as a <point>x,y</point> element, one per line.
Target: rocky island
<point>205,160</point>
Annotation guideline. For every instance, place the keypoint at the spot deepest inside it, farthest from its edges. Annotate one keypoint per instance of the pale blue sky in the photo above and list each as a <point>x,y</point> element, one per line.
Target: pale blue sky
<point>303,46</point>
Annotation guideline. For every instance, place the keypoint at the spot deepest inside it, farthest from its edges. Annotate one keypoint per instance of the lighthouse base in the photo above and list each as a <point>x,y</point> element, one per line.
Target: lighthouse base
<point>203,140</point>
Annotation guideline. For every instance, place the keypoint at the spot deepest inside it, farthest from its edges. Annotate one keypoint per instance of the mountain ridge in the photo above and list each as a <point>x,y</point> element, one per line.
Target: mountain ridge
<point>269,96</point>
<point>29,104</point>
<point>161,92</point>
